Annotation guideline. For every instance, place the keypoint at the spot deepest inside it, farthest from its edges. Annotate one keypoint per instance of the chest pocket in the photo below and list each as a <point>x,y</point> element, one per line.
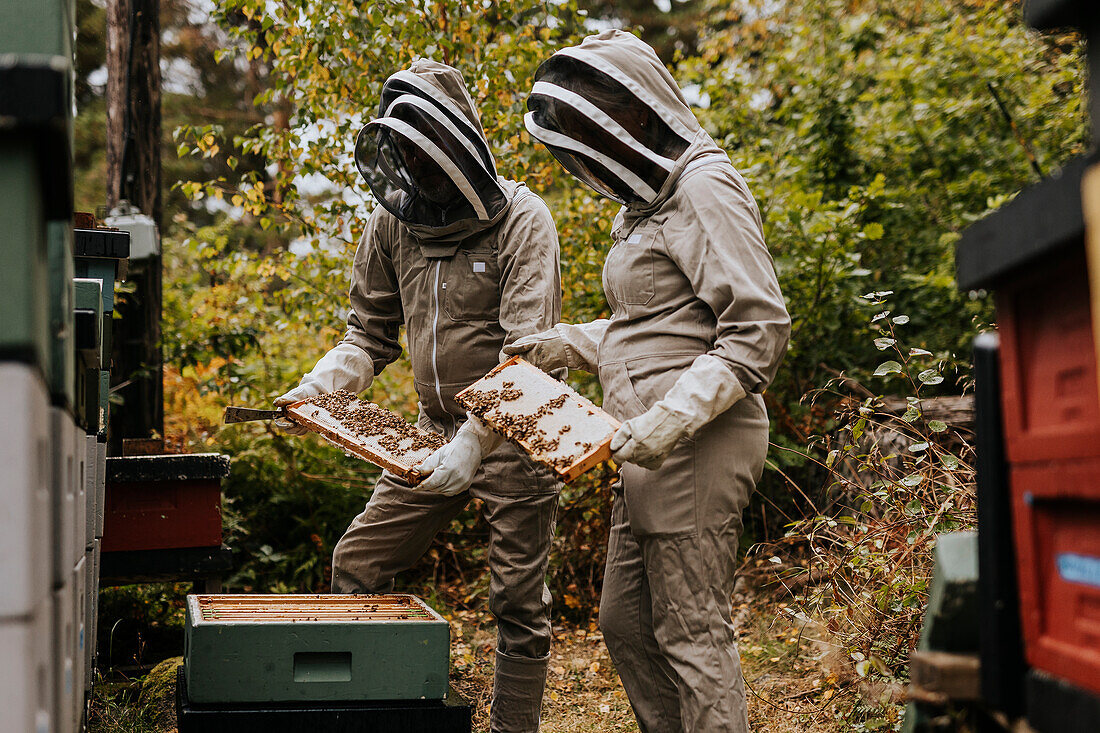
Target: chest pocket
<point>471,286</point>
<point>628,274</point>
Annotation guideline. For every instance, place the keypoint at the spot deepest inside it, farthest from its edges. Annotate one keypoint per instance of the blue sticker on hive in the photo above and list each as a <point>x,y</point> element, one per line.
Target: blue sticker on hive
<point>1079,569</point>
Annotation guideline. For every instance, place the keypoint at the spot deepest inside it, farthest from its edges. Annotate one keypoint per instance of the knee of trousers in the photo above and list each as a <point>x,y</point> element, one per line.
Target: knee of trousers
<point>523,623</point>
<point>356,572</point>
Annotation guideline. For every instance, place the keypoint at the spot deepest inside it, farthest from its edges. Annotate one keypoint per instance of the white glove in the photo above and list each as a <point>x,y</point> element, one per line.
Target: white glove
<point>575,346</point>
<point>345,366</point>
<point>706,390</point>
<point>453,466</point>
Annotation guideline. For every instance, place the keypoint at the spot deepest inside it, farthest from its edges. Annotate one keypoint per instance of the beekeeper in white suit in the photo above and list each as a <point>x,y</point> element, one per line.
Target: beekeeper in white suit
<point>697,331</point>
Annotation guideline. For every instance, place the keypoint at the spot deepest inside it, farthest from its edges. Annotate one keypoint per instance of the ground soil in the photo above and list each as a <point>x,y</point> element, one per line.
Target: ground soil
<point>786,664</point>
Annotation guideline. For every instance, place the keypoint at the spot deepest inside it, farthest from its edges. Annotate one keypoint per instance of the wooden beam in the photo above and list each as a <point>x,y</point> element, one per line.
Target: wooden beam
<point>937,678</point>
<point>118,23</point>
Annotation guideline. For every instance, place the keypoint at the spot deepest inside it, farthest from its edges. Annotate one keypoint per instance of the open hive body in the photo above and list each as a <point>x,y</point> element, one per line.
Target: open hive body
<point>397,450</point>
<point>295,648</point>
<point>556,426</point>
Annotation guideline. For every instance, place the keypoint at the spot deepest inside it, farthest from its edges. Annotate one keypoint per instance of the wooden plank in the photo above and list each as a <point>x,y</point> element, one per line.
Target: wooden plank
<point>547,418</point>
<point>939,677</point>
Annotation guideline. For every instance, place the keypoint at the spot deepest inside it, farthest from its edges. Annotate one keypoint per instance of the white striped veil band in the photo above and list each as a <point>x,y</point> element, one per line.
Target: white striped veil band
<point>615,73</point>
<point>601,118</point>
<point>557,139</point>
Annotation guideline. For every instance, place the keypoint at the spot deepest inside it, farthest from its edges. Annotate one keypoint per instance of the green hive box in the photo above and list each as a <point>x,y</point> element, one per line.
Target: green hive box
<point>298,648</point>
<point>37,27</point>
<point>24,269</point>
<point>61,379</point>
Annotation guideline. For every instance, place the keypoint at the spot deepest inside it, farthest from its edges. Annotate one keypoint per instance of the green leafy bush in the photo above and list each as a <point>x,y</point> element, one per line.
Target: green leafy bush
<point>871,133</point>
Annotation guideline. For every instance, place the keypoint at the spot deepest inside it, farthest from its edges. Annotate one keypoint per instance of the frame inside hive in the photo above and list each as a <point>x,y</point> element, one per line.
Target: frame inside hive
<point>552,422</point>
<point>309,608</point>
<point>368,431</point>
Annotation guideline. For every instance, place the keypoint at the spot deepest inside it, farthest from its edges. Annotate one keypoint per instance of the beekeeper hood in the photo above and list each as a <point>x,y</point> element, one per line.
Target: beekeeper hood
<point>613,116</point>
<point>426,158</point>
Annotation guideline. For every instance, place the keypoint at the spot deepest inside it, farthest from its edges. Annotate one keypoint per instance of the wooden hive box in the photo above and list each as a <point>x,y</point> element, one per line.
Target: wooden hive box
<point>297,648</point>
<point>546,417</point>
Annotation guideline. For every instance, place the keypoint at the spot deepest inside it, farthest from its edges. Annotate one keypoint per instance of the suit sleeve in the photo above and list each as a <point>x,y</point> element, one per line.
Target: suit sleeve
<point>376,315</point>
<point>719,246</point>
<point>530,280</point>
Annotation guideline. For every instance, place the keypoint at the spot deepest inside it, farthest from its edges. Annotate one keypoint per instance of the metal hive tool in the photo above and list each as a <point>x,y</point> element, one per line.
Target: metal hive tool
<point>547,418</point>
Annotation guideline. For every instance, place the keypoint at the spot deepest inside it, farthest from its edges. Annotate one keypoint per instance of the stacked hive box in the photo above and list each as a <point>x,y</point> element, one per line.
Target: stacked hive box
<point>47,346</point>
<point>38,639</point>
<point>329,662</point>
<point>100,261</point>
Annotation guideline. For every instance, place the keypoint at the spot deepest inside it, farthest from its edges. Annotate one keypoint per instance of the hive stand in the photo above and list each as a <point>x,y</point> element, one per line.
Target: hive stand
<point>450,715</point>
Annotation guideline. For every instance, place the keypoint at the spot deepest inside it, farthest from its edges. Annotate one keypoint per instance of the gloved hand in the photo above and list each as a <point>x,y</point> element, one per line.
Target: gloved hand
<point>545,350</point>
<point>345,366</point>
<point>647,439</point>
<point>453,466</point>
<point>703,392</point>
<point>569,345</point>
<point>301,392</point>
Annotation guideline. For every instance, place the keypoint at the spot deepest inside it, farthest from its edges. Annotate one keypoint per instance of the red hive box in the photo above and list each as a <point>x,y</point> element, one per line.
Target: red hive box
<point>1051,410</point>
<point>164,502</point>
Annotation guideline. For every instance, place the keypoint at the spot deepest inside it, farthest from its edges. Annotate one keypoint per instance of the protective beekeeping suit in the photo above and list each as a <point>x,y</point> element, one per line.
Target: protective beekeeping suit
<point>697,332</point>
<point>468,262</point>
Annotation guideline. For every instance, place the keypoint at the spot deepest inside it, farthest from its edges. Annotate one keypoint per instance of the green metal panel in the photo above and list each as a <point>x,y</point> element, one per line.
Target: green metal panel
<point>86,294</point>
<point>104,269</point>
<point>951,617</point>
<point>24,267</point>
<point>37,27</point>
<point>88,322</point>
<point>314,659</point>
<point>61,378</point>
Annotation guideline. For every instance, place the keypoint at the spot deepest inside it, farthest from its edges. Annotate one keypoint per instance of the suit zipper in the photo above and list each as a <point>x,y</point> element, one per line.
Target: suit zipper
<point>435,342</point>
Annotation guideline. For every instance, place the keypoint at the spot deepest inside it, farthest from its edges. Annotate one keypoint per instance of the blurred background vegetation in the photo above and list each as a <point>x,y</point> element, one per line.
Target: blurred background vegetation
<point>872,132</point>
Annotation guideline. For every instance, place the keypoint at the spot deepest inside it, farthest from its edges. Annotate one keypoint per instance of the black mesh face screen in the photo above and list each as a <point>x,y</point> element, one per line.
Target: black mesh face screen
<point>602,116</point>
<point>613,97</point>
<point>406,83</point>
<point>407,181</point>
<point>425,167</point>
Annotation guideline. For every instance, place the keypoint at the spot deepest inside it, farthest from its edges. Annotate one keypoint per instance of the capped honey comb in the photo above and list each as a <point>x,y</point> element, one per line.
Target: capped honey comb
<point>547,418</point>
<point>366,430</point>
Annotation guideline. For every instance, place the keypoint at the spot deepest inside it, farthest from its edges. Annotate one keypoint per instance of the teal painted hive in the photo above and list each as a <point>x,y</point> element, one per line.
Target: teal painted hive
<point>299,648</point>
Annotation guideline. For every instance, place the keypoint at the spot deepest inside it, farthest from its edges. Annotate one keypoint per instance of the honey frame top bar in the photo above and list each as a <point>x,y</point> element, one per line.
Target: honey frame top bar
<point>557,432</point>
<point>211,610</point>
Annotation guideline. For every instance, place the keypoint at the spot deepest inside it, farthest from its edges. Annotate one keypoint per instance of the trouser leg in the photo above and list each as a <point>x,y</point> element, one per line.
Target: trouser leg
<point>626,621</point>
<point>520,529</point>
<point>691,580</point>
<point>391,534</point>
